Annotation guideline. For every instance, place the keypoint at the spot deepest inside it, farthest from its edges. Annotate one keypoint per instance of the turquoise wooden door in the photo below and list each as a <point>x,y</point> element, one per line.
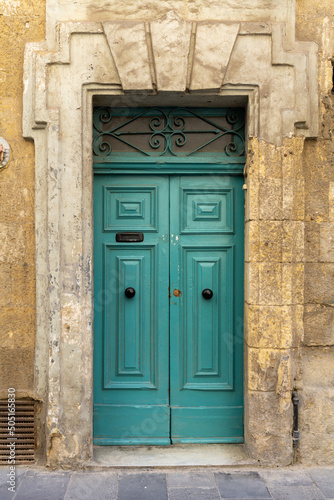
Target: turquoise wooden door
<point>206,310</point>
<point>131,399</point>
<point>168,358</point>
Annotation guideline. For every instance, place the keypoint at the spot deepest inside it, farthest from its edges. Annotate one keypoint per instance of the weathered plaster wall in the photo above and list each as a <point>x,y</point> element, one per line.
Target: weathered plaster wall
<point>20,22</point>
<point>191,10</point>
<point>315,21</point>
<point>289,214</point>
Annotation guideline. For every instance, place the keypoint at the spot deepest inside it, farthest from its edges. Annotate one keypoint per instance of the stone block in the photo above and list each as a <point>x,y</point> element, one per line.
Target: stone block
<point>277,478</point>
<point>316,197</point>
<point>293,283</point>
<point>299,492</point>
<point>270,283</point>
<point>274,283</point>
<point>191,493</point>
<point>277,327</point>
<point>88,485</point>
<point>252,241</point>
<point>268,370</point>
<point>171,44</point>
<point>312,242</point>
<point>11,376</point>
<point>331,201</point>
<point>319,283</point>
<point>315,408</point>
<point>268,424</point>
<point>23,285</point>
<point>270,241</point>
<point>270,199</point>
<point>17,327</point>
<point>13,243</point>
<point>327,242</point>
<point>318,367</point>
<point>274,241</point>
<point>293,241</point>
<point>43,485</point>
<point>298,205</point>
<point>5,494</point>
<point>252,283</point>
<point>17,205</point>
<point>252,197</point>
<point>270,162</point>
<point>324,480</point>
<point>128,45</point>
<point>205,72</point>
<point>318,325</point>
<point>298,324</point>
<point>5,285</point>
<point>142,486</point>
<point>241,485</point>
<point>196,479</point>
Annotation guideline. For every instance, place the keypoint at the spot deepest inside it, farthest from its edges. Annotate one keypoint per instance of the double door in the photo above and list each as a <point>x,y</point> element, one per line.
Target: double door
<point>168,289</point>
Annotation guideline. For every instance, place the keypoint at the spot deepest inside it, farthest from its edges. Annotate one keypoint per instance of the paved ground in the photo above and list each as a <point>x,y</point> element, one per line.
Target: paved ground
<point>196,484</point>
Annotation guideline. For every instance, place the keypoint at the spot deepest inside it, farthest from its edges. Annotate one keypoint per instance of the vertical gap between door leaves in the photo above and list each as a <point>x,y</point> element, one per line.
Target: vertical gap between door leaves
<point>170,291</point>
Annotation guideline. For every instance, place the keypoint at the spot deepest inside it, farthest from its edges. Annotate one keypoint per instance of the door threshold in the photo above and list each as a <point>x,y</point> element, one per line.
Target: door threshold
<point>178,455</point>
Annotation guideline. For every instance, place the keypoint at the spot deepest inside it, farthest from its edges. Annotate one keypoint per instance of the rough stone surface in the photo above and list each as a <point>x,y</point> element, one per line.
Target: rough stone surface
<point>315,403</point>
<point>274,294</point>
<point>313,22</point>
<point>289,197</point>
<point>171,44</point>
<point>318,325</point>
<point>85,486</point>
<point>233,10</point>
<point>144,487</point>
<point>269,435</point>
<point>205,73</point>
<point>127,42</point>
<point>20,22</point>
<point>289,483</point>
<point>241,485</point>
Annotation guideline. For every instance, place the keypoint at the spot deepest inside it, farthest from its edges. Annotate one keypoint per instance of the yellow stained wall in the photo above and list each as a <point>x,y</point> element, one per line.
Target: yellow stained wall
<point>20,22</point>
<point>23,21</point>
<point>315,22</point>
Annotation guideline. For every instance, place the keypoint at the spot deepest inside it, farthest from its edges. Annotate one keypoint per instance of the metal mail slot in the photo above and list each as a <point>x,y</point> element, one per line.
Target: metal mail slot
<point>129,237</point>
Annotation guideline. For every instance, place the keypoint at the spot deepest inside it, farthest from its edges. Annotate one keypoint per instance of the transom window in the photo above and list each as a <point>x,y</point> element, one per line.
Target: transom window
<point>174,132</point>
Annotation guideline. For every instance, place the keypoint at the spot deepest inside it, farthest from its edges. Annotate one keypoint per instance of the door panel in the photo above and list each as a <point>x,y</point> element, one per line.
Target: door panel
<point>129,341</point>
<point>131,334</point>
<point>206,355</point>
<point>206,346</point>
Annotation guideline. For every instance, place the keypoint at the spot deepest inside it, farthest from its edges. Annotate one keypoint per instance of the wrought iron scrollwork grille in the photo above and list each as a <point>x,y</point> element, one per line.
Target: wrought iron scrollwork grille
<point>175,132</point>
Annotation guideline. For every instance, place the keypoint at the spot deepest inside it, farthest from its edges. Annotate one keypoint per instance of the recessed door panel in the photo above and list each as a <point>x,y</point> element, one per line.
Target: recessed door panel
<point>130,340</point>
<point>206,355</point>
<point>130,206</point>
<point>206,210</point>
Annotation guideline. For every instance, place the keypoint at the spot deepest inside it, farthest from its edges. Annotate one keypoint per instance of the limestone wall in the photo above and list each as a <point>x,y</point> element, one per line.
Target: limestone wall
<point>20,22</point>
<point>274,294</point>
<point>315,21</point>
<point>289,232</point>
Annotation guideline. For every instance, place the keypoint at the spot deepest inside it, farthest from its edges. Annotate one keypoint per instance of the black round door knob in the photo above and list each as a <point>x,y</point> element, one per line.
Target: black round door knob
<point>130,292</point>
<point>207,294</point>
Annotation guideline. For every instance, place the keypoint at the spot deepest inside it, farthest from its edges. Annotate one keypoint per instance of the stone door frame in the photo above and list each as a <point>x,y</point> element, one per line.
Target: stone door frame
<point>60,86</point>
